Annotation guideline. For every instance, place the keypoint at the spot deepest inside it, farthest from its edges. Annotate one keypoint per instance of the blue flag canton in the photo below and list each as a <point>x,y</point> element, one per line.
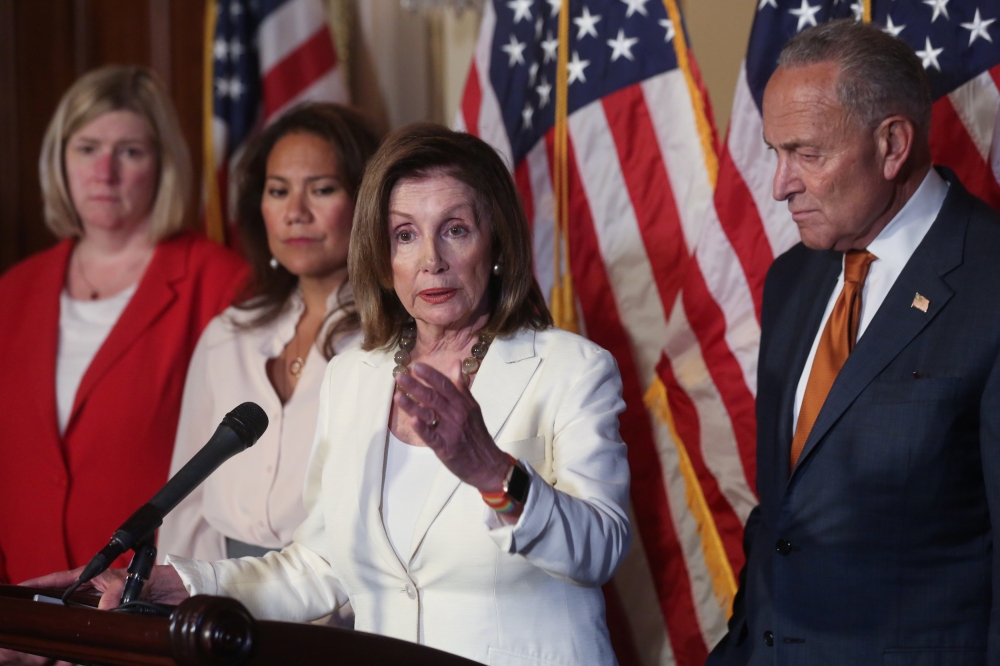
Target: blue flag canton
<point>956,40</point>
<point>236,65</point>
<point>613,44</point>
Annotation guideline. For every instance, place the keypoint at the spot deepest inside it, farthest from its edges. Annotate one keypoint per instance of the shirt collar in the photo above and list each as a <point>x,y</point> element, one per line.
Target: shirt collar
<point>900,238</point>
<point>276,336</point>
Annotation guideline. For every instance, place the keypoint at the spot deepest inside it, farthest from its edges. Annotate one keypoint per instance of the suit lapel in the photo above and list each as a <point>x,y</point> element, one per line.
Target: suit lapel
<point>810,306</point>
<point>897,322</point>
<point>154,294</point>
<point>374,400</point>
<point>49,289</point>
<point>505,373</point>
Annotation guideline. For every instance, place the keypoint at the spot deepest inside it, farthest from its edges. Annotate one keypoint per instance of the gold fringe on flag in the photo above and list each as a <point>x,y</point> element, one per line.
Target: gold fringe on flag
<point>700,116</point>
<point>719,567</point>
<point>563,301</point>
<point>214,226</point>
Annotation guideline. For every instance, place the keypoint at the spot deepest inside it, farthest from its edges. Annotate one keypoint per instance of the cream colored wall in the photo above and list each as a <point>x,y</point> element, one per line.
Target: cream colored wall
<point>719,31</point>
<point>410,66</point>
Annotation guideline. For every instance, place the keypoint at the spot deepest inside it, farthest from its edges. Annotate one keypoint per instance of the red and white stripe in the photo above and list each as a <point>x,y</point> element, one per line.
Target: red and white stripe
<point>298,63</point>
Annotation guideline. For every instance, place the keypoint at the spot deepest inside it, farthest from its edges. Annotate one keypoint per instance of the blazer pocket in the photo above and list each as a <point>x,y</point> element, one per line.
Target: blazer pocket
<point>532,449</point>
<point>929,389</point>
<point>934,657</point>
<point>503,658</point>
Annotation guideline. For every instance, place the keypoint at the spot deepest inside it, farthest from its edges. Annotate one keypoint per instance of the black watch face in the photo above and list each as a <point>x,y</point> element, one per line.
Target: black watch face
<point>518,486</point>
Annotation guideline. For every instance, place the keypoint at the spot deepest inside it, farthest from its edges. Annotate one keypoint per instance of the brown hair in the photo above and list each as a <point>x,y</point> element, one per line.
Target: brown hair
<point>418,151</point>
<point>117,88</point>
<point>353,143</point>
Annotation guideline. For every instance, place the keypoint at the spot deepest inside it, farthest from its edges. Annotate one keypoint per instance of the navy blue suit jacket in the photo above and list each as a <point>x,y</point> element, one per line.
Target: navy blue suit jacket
<point>878,547</point>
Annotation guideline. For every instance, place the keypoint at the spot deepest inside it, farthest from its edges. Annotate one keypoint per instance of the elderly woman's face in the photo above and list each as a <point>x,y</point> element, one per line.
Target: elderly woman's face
<point>112,171</point>
<point>441,256</point>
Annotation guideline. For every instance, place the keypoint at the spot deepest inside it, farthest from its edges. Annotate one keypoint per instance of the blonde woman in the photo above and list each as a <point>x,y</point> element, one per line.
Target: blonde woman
<point>97,332</point>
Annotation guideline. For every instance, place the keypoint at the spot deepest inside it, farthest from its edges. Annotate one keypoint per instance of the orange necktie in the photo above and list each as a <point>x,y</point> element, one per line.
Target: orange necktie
<point>834,346</point>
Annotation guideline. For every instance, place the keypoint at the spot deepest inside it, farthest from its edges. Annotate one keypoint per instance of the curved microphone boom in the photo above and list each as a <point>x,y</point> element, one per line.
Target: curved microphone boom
<point>239,430</point>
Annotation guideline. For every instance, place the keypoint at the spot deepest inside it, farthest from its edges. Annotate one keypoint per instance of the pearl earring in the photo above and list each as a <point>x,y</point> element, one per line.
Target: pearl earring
<point>274,264</point>
<point>497,268</point>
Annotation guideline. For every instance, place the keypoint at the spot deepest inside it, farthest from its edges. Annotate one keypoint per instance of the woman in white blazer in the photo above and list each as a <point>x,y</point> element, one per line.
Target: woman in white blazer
<point>468,486</point>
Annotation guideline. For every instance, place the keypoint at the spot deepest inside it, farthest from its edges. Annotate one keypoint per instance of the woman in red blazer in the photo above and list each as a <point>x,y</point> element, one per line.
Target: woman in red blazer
<point>87,424</point>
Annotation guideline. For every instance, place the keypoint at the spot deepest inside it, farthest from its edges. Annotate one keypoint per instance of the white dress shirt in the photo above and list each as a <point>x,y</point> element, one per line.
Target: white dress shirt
<point>893,248</point>
<point>256,496</point>
<point>409,472</point>
<point>83,328</point>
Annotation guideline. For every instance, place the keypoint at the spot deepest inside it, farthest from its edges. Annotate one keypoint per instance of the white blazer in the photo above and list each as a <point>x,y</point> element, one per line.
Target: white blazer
<point>499,594</point>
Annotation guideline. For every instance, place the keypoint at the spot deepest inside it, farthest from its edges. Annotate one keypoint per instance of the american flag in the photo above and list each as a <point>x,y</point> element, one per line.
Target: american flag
<point>640,165</point>
<point>668,247</point>
<point>261,57</point>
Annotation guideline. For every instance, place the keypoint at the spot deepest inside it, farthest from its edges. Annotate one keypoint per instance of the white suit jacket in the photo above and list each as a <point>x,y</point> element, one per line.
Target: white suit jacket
<point>521,594</point>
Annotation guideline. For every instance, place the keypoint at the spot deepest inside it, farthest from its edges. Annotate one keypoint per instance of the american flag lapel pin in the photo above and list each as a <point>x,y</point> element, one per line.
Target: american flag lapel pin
<point>920,302</point>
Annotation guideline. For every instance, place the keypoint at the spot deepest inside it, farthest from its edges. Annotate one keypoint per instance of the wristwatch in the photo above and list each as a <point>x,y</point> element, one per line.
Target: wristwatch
<point>517,483</point>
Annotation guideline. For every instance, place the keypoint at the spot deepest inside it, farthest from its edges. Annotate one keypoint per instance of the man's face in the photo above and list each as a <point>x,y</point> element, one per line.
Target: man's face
<point>829,170</point>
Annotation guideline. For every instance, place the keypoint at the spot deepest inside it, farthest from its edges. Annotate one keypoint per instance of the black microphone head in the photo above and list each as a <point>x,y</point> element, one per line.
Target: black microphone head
<point>248,421</point>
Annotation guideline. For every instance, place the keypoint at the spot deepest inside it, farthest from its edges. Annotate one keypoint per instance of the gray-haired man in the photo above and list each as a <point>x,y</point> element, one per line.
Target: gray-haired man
<point>878,408</point>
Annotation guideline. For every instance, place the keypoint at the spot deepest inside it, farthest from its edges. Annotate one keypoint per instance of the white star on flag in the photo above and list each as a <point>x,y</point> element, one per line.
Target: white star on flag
<point>669,26</point>
<point>220,49</point>
<point>236,88</point>
<point>539,24</point>
<point>554,6</point>
<point>940,7</point>
<point>235,49</point>
<point>806,13</point>
<point>586,24</point>
<point>222,87</point>
<point>859,11</point>
<point>532,73</point>
<point>636,6</point>
<point>551,48</point>
<point>576,67</point>
<point>892,29</point>
<point>978,28</point>
<point>544,90</point>
<point>929,55</point>
<point>515,50</point>
<point>622,46</point>
<point>766,3</point>
<point>235,9</point>
<point>522,9</point>
<point>526,115</point>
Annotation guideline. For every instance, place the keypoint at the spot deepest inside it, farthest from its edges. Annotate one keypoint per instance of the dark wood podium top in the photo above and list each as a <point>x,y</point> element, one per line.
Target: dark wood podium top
<point>202,630</point>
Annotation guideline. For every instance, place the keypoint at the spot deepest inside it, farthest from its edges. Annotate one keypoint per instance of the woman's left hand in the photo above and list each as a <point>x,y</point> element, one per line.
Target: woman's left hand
<point>448,420</point>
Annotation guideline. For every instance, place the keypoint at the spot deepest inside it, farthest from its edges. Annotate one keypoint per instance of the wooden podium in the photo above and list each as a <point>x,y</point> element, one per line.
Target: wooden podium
<point>202,630</point>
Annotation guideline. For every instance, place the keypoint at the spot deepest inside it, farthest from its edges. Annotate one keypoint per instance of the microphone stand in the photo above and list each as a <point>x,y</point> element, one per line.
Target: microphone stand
<point>139,570</point>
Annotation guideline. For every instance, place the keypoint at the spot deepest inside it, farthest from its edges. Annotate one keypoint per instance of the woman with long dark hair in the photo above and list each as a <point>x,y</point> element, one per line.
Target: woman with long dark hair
<point>299,183</point>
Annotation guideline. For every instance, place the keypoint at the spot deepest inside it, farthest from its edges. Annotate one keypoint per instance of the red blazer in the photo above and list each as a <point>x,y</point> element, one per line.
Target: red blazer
<point>61,498</point>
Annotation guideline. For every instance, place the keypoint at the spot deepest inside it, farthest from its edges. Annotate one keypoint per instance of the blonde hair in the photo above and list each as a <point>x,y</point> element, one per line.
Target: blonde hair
<point>117,88</point>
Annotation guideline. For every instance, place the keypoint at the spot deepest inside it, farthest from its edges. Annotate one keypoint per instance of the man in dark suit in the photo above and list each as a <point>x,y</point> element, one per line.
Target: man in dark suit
<point>878,407</point>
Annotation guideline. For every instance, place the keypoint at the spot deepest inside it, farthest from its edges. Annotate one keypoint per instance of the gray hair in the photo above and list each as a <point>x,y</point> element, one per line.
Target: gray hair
<point>880,75</point>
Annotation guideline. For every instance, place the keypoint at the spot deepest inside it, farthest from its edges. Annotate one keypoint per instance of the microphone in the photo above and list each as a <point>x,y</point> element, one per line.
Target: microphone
<point>239,430</point>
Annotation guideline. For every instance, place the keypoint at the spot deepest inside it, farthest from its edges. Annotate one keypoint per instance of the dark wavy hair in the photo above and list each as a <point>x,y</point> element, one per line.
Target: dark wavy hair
<point>353,142</point>
<point>423,150</point>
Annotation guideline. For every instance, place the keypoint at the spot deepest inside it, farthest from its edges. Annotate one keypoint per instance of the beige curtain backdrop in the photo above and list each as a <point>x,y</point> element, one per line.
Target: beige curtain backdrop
<point>406,66</point>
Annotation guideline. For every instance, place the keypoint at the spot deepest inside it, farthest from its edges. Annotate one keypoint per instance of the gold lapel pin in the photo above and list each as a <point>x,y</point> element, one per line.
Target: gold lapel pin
<point>920,302</point>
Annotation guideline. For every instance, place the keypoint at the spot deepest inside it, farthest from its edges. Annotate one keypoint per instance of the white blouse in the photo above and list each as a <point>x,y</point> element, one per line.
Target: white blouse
<point>256,496</point>
<point>409,472</point>
<point>83,328</point>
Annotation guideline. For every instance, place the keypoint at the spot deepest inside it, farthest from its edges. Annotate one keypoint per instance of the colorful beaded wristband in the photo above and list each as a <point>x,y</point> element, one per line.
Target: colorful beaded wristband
<point>500,502</point>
